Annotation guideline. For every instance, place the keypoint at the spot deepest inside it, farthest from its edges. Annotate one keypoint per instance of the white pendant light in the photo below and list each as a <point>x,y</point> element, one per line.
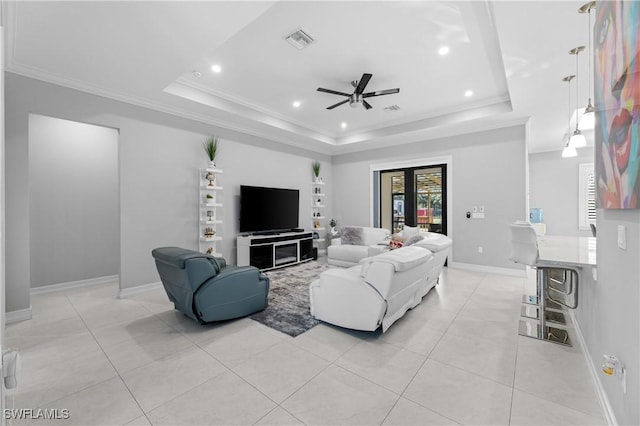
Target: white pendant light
<point>577,140</point>
<point>569,150</point>
<point>589,118</point>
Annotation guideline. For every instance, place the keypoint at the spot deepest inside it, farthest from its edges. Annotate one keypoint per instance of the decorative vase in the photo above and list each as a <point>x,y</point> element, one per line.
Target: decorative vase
<point>211,177</point>
<point>212,165</point>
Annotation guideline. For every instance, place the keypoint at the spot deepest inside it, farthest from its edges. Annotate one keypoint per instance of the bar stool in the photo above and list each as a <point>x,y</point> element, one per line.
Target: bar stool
<point>550,279</point>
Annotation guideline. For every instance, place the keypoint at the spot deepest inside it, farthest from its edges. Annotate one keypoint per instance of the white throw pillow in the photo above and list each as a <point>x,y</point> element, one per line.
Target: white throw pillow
<point>409,231</point>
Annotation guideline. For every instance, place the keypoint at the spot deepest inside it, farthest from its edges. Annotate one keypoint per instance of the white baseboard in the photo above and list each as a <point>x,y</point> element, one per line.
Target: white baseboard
<point>17,316</point>
<point>132,291</point>
<point>595,378</point>
<point>521,273</point>
<point>75,284</point>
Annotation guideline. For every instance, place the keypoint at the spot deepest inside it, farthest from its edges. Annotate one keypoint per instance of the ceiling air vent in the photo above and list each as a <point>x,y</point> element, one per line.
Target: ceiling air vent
<point>392,108</point>
<point>299,39</point>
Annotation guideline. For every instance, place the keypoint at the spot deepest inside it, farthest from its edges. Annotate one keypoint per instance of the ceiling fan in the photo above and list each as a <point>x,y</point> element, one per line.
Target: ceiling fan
<point>357,98</point>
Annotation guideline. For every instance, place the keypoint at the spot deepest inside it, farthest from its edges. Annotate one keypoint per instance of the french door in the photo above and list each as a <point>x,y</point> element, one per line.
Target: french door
<point>415,196</point>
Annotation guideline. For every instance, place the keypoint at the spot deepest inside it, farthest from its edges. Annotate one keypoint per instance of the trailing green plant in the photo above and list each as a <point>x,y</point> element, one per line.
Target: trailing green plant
<point>316,168</point>
<point>211,147</point>
<point>209,196</point>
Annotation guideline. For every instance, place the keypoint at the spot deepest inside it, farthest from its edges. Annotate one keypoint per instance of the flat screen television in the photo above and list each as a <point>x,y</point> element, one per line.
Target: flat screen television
<point>268,209</point>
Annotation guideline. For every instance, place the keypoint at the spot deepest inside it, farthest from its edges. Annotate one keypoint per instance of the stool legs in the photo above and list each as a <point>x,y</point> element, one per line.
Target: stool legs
<point>540,330</point>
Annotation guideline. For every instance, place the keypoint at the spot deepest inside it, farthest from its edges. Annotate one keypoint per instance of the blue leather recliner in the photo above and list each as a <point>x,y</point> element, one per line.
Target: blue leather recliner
<point>204,288</point>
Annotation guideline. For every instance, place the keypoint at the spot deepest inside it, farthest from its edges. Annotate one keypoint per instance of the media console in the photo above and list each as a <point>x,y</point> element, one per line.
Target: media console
<point>275,250</point>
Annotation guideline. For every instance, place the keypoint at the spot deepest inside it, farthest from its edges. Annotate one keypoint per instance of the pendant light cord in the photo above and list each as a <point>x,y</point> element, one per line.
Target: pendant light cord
<point>577,91</point>
<point>590,53</point>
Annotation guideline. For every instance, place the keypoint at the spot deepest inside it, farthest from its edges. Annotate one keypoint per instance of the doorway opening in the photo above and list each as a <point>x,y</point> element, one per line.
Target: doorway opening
<point>414,196</point>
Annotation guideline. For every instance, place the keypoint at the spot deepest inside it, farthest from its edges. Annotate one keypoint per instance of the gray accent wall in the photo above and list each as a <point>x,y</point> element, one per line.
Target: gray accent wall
<point>489,169</point>
<point>554,188</point>
<point>73,181</point>
<point>159,156</point>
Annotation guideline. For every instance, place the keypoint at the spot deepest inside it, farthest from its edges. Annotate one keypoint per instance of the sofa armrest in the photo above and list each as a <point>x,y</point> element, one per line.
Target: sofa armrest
<point>234,281</point>
<point>335,294</point>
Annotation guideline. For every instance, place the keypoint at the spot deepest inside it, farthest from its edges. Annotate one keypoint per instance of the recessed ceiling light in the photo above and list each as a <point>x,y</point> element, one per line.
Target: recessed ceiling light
<point>296,104</point>
<point>197,73</point>
<point>443,50</point>
<point>468,93</point>
<point>343,125</point>
<point>216,68</point>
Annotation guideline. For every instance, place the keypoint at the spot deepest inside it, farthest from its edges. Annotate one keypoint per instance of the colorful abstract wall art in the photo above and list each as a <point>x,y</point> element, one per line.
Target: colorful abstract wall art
<point>617,96</point>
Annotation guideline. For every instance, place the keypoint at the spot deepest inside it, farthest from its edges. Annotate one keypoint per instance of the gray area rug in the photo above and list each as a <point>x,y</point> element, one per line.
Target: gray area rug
<point>288,310</point>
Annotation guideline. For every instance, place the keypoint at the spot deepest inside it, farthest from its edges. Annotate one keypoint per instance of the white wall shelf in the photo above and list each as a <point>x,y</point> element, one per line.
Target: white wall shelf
<point>317,222</point>
<point>208,212</point>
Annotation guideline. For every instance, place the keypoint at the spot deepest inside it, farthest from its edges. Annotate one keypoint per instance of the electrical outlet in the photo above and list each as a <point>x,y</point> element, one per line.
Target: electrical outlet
<point>480,249</point>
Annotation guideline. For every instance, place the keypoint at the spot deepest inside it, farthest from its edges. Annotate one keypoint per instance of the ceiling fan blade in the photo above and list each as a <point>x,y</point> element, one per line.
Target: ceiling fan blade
<point>366,104</point>
<point>363,83</point>
<point>380,93</point>
<point>333,92</point>
<point>338,104</point>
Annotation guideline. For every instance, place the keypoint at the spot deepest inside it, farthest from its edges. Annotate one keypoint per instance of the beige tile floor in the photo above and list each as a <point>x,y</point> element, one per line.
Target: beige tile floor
<point>454,359</point>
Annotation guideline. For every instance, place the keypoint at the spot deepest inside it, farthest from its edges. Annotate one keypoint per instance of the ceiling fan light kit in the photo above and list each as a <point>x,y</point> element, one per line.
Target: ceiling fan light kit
<point>357,98</point>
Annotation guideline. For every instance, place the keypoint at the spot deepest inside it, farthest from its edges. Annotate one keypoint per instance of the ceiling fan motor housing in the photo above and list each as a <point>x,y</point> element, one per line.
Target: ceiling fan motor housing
<point>355,100</point>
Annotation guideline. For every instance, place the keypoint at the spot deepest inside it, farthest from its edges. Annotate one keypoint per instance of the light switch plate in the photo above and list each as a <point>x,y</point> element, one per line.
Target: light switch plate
<point>622,237</point>
<point>481,209</point>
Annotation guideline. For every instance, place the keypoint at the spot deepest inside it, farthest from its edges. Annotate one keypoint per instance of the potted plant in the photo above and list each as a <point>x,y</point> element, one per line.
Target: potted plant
<point>211,148</point>
<point>316,170</point>
<point>208,199</point>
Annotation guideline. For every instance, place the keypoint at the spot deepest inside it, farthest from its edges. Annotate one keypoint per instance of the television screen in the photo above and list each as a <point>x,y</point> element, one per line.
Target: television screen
<point>268,209</point>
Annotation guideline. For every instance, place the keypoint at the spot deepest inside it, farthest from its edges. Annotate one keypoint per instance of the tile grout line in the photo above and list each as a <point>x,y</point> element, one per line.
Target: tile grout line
<point>111,363</point>
<point>427,358</point>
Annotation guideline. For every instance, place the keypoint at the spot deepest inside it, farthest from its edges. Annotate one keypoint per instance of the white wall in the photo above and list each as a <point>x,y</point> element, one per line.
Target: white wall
<point>489,168</point>
<point>554,188</point>
<point>159,155</point>
<point>73,181</point>
<point>609,316</point>
<point>607,313</point>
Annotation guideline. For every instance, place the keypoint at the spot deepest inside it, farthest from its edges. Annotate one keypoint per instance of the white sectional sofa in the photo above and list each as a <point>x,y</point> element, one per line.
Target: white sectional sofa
<point>440,246</point>
<point>379,285</point>
<point>376,292</point>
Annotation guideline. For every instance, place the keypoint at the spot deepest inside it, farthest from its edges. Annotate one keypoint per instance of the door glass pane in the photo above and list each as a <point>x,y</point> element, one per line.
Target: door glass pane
<point>397,195</point>
<point>428,190</point>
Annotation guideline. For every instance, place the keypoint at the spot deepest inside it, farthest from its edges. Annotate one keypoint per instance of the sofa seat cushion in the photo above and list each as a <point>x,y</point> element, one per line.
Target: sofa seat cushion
<point>402,259</point>
<point>348,253</point>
